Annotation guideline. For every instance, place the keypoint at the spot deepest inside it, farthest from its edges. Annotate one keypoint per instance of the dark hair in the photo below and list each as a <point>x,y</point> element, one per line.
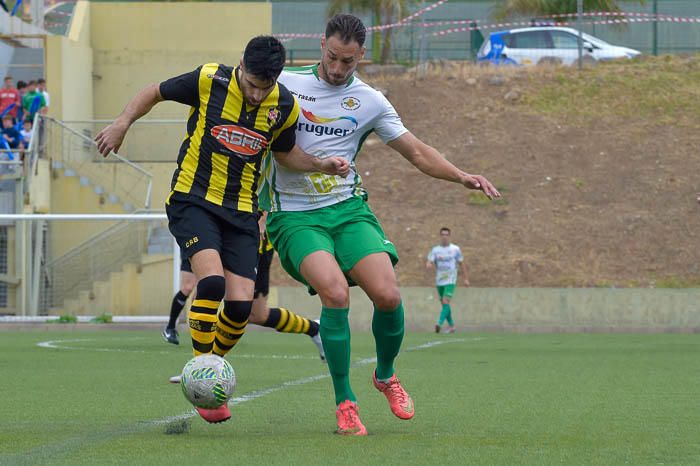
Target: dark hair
<point>31,83</point>
<point>21,84</point>
<point>264,57</point>
<point>348,27</point>
<point>7,116</point>
<point>445,229</point>
<point>41,81</point>
<point>8,77</point>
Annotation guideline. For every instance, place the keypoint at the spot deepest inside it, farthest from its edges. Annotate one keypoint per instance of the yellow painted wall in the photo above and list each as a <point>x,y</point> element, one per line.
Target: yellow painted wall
<point>69,69</point>
<point>136,44</point>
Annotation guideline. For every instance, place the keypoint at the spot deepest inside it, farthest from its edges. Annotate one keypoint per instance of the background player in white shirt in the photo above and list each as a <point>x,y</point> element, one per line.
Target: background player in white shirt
<point>446,258</point>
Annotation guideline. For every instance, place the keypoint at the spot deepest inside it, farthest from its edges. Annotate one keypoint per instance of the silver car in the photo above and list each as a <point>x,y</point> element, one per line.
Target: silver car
<point>547,44</point>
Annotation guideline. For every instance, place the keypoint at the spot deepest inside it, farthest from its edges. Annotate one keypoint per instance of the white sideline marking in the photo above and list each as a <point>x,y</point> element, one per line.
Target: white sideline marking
<point>254,395</point>
<point>50,451</point>
<point>59,344</point>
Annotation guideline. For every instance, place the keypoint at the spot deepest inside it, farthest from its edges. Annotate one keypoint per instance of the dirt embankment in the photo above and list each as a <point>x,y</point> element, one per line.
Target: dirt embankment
<point>598,172</point>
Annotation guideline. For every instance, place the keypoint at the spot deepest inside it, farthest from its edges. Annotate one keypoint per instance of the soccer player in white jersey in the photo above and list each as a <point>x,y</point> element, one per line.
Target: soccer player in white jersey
<point>321,226</point>
<point>446,258</point>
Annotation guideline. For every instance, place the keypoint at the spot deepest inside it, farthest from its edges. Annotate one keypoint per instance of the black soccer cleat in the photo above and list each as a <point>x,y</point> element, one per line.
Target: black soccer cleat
<point>171,336</point>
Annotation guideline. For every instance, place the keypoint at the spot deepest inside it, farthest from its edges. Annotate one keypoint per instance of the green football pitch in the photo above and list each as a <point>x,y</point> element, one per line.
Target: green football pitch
<point>102,397</point>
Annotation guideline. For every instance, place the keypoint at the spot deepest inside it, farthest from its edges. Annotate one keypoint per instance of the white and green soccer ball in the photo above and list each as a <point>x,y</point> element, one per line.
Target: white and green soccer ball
<point>208,381</point>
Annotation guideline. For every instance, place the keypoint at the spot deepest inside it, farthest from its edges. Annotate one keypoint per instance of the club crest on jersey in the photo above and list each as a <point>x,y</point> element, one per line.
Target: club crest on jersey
<point>350,103</point>
<point>240,140</point>
<point>273,116</point>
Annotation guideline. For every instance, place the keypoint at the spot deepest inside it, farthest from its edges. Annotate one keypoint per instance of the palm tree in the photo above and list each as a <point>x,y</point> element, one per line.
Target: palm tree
<point>508,8</point>
<point>383,12</point>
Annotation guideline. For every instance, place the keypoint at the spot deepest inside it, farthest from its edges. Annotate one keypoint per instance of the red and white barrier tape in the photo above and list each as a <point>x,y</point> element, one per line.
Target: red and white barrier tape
<point>626,18</point>
<point>671,19</point>
<point>404,22</point>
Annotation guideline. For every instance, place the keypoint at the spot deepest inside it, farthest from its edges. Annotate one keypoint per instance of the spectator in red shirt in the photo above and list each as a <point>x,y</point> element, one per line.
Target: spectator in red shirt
<point>8,96</point>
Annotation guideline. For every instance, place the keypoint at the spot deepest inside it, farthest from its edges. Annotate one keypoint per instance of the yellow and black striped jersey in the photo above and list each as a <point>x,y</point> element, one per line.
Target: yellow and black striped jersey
<point>227,139</point>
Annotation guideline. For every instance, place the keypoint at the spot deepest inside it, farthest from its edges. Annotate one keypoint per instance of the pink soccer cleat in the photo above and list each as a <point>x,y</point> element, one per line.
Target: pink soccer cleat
<point>215,416</point>
<point>349,419</point>
<point>400,403</point>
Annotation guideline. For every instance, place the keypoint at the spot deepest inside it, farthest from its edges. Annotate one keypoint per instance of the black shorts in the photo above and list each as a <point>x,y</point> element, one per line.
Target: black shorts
<point>185,266</point>
<point>262,282</point>
<point>235,235</point>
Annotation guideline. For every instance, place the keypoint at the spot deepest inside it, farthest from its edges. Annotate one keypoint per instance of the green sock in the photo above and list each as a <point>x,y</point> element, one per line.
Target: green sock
<point>387,327</point>
<point>449,315</point>
<point>443,313</point>
<point>335,335</point>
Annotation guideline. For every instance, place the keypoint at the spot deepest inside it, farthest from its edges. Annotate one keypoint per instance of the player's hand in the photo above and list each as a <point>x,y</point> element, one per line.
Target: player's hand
<point>466,283</point>
<point>698,197</point>
<point>480,183</point>
<point>262,223</point>
<point>110,138</point>
<point>334,166</point>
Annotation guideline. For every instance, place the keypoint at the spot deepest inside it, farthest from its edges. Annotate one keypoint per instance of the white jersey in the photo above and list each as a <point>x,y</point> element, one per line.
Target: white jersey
<point>334,121</point>
<point>446,260</point>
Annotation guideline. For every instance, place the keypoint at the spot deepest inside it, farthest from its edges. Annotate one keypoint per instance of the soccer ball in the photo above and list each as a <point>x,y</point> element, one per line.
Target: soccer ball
<point>208,381</point>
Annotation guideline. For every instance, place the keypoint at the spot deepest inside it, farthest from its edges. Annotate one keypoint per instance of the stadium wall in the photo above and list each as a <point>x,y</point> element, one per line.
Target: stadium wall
<point>136,44</point>
<point>529,309</point>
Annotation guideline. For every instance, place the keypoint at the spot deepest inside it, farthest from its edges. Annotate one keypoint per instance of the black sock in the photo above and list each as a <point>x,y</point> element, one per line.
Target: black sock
<point>176,308</point>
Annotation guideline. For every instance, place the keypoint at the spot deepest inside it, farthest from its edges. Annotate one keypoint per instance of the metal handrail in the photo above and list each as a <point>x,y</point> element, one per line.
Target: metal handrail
<point>86,139</point>
<point>91,141</point>
<point>142,215</point>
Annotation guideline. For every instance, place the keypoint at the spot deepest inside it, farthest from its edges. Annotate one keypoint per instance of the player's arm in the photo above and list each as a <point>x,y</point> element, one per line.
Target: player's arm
<point>111,137</point>
<point>432,163</point>
<point>297,159</point>
<point>183,89</point>
<point>464,272</point>
<point>262,222</point>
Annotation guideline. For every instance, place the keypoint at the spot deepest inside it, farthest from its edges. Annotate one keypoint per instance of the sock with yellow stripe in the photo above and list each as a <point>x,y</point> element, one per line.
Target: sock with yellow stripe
<point>285,321</point>
<point>231,325</point>
<point>202,316</point>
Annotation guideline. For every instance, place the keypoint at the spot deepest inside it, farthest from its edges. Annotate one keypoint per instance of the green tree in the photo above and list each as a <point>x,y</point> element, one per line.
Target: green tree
<point>508,8</point>
<point>383,12</point>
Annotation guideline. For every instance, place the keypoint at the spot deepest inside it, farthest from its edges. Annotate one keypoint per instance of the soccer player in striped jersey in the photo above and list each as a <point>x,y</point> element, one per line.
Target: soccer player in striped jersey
<point>345,243</point>
<point>237,117</point>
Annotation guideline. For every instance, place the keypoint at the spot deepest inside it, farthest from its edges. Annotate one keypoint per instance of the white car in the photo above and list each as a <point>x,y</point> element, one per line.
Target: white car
<point>547,44</point>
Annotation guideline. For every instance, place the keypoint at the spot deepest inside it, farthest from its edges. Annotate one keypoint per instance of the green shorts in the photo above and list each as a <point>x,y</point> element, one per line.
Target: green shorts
<point>348,230</point>
<point>446,291</point>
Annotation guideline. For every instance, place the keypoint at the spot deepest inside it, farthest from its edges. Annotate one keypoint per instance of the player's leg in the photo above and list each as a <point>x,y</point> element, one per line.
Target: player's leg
<point>279,318</point>
<point>306,251</point>
<point>447,300</point>
<point>375,275</point>
<point>366,255</point>
<point>211,289</point>
<point>323,274</point>
<point>443,309</point>
<point>187,283</point>
<point>198,234</point>
<point>240,258</point>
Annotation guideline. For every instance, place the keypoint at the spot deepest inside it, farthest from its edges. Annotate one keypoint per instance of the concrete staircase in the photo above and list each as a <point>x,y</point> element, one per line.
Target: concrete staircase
<point>135,289</point>
<point>141,285</point>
